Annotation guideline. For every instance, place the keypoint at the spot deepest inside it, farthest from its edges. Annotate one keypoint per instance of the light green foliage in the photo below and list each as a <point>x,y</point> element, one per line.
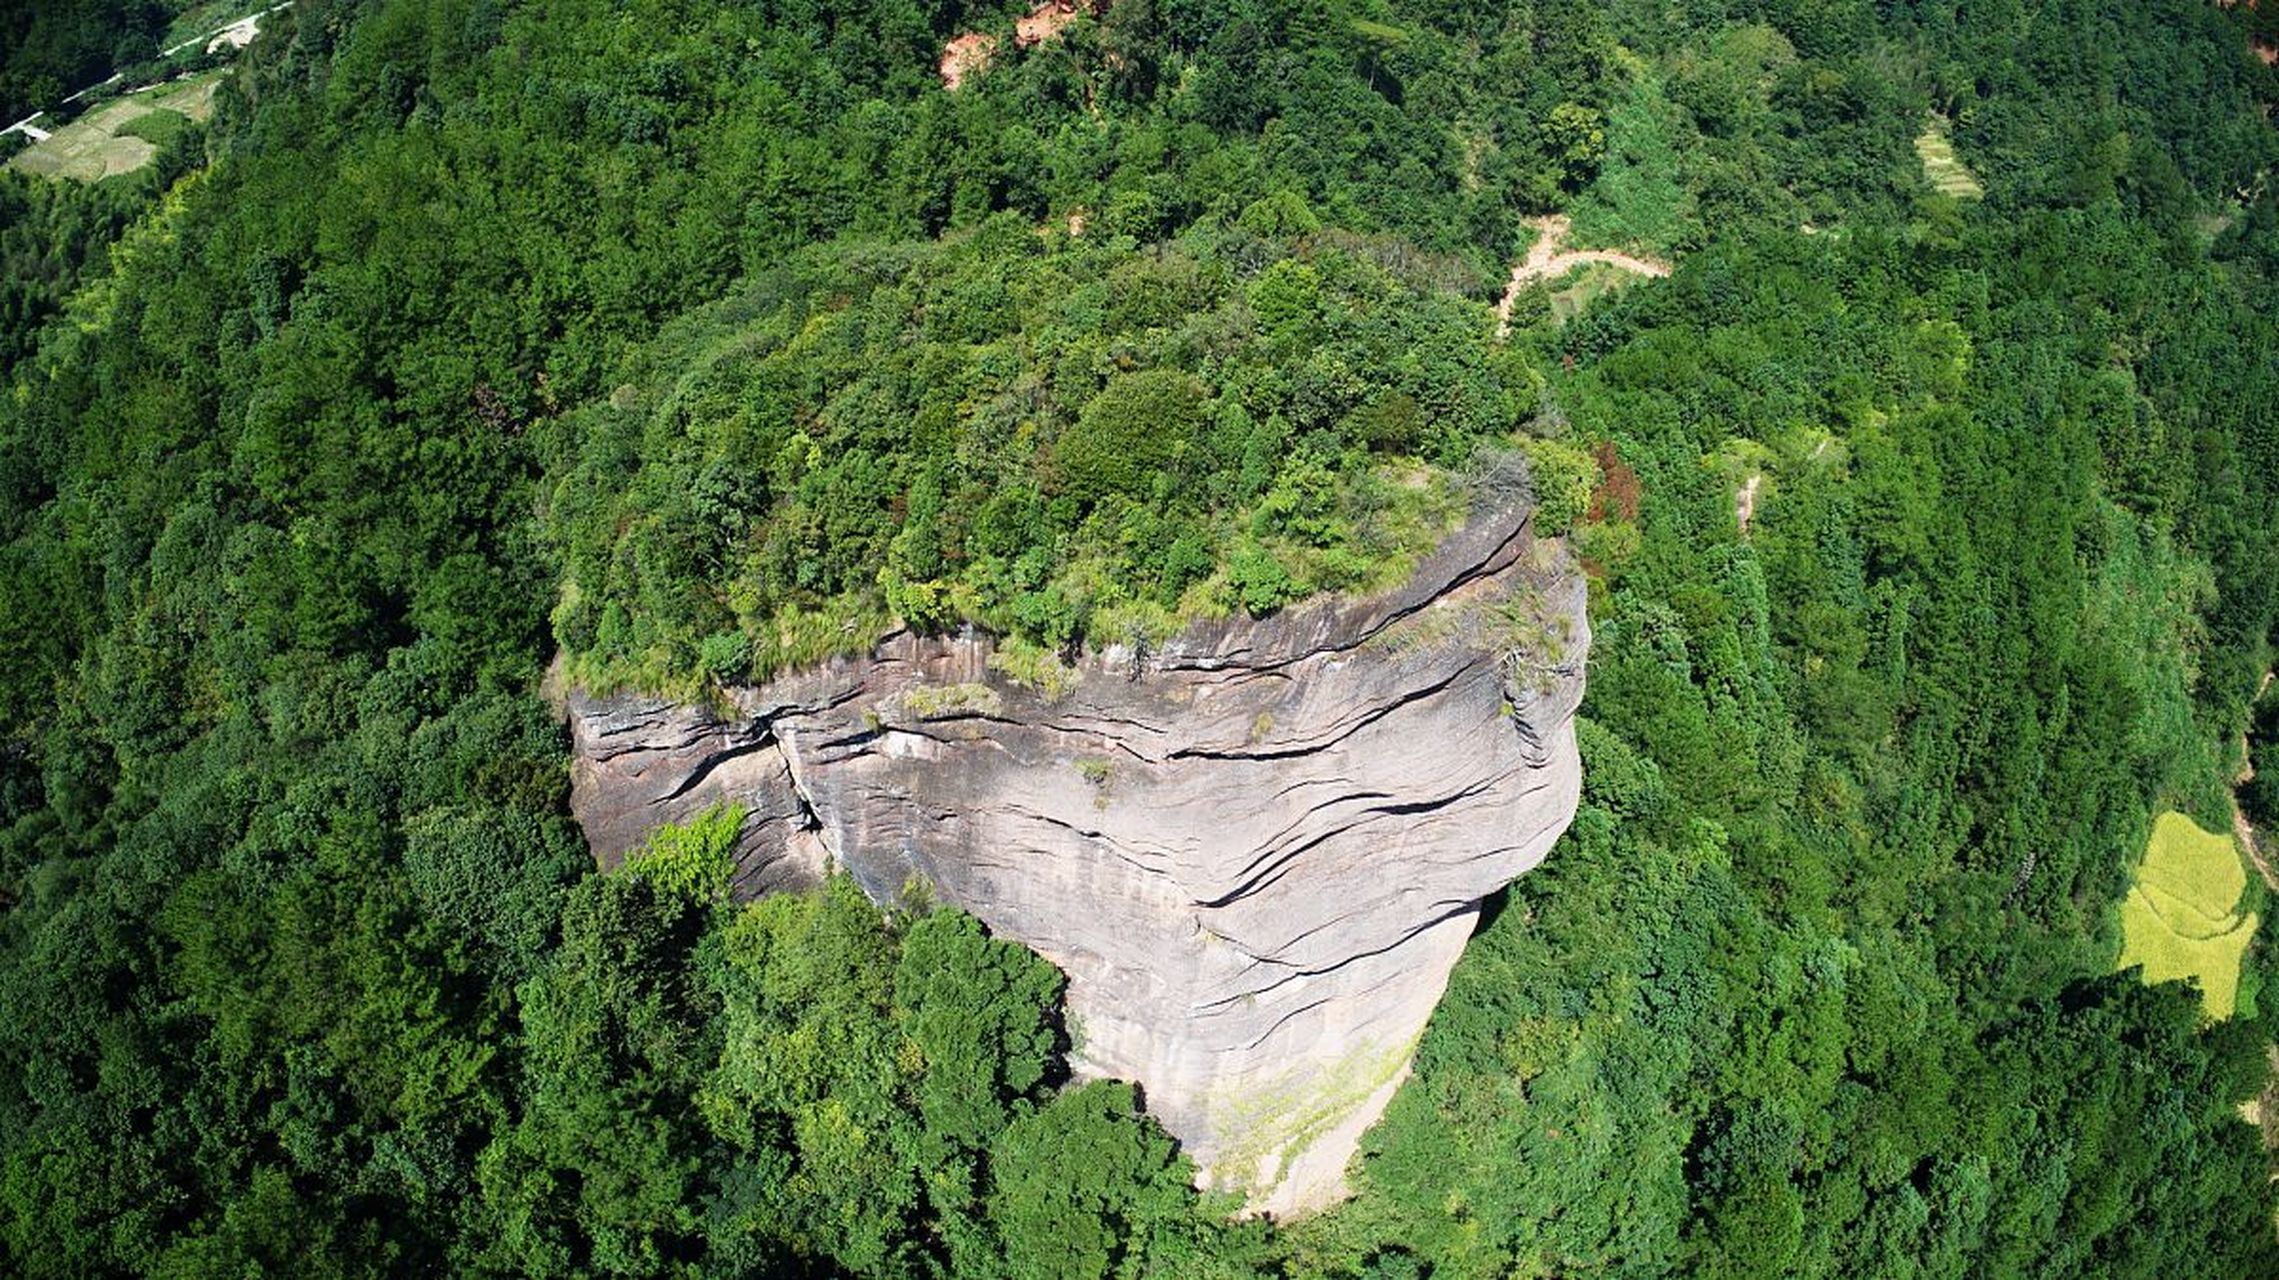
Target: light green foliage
<point>693,859</point>
<point>1035,436</point>
<point>1562,477</point>
<point>1943,169</point>
<point>932,701</point>
<point>1033,666</point>
<point>1575,136</point>
<point>1640,196</point>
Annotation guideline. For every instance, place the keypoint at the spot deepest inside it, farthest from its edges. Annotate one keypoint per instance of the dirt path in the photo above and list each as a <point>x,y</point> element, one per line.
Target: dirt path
<point>237,34</point>
<point>1745,501</point>
<point>1544,261</point>
<point>2242,829</point>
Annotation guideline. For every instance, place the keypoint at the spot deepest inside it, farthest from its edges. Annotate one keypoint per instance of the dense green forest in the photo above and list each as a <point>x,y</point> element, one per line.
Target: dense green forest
<point>692,340</point>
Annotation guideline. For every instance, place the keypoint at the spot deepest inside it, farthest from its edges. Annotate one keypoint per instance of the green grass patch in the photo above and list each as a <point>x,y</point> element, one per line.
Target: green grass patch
<point>192,96</point>
<point>158,128</point>
<point>1574,292</point>
<point>1639,197</point>
<point>2180,921</point>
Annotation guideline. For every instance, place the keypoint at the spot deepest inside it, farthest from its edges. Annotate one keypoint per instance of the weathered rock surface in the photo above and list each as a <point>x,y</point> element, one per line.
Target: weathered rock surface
<point>1256,853</point>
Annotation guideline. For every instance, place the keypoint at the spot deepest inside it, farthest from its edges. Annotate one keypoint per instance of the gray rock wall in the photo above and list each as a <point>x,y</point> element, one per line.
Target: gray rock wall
<point>1256,853</point>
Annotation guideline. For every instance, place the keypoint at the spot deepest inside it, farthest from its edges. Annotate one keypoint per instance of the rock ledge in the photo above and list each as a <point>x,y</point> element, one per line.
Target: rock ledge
<point>1256,853</point>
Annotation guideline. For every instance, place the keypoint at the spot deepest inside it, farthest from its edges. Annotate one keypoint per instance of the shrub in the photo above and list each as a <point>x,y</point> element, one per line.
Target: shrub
<point>696,858</point>
<point>1135,429</point>
<point>1563,478</point>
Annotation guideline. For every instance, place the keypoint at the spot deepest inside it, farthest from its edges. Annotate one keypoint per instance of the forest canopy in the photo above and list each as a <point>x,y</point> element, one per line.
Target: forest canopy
<point>688,340</point>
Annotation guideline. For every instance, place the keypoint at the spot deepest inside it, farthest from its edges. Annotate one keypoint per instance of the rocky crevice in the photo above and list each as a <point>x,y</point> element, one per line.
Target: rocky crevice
<point>1256,851</point>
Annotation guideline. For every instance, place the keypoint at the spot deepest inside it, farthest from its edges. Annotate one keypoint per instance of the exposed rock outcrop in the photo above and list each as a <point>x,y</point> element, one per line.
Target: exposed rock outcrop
<point>1256,852</point>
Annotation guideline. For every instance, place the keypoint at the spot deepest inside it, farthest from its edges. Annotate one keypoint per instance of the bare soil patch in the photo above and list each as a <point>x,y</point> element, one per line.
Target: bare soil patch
<point>1745,501</point>
<point>969,54</point>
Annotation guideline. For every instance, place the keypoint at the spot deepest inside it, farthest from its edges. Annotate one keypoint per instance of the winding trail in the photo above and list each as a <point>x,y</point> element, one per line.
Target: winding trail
<point>236,34</point>
<point>1745,501</point>
<point>1544,261</point>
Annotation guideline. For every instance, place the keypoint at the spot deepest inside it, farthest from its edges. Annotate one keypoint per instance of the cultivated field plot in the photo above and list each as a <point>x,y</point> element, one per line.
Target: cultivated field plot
<point>103,142</point>
<point>1945,170</point>
<point>2181,920</point>
<point>1585,285</point>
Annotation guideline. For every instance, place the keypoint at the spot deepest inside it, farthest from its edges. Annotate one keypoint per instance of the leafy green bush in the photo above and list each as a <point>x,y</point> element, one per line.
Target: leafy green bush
<point>693,859</point>
<point>1562,477</point>
<point>1135,429</point>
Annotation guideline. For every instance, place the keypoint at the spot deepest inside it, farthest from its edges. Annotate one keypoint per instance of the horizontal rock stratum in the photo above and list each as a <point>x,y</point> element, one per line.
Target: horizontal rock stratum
<point>1256,851</point>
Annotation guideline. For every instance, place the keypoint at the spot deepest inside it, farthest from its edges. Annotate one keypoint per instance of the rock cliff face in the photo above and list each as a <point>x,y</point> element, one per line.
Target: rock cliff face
<point>1256,852</point>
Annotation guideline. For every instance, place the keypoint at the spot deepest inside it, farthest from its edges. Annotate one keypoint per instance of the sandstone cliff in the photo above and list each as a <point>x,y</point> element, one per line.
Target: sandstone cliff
<point>1256,852</point>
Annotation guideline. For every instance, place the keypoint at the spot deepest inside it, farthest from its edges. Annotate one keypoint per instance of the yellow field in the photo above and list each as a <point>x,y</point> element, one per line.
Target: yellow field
<point>2181,919</point>
<point>1944,168</point>
<point>91,147</point>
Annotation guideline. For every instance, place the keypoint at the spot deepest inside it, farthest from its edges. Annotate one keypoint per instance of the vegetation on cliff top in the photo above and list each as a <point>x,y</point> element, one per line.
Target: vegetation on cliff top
<point>304,967</point>
<point>1059,439</point>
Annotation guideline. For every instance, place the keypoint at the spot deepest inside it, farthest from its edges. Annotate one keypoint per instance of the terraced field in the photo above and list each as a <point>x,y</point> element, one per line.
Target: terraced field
<point>1944,168</point>
<point>2181,920</point>
<point>104,143</point>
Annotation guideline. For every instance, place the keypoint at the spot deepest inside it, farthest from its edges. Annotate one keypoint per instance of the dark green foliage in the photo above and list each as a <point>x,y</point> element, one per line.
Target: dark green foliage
<point>52,235</point>
<point>1077,1189</point>
<point>2260,796</point>
<point>57,47</point>
<point>718,336</point>
<point>1134,429</point>
<point>1813,987</point>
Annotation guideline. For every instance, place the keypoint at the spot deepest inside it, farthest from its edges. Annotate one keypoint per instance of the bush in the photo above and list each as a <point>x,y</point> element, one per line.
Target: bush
<point>1134,430</point>
<point>696,858</point>
<point>1562,477</point>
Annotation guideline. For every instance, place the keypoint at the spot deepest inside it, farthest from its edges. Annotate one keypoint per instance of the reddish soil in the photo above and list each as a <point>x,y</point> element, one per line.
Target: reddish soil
<point>1616,497</point>
<point>971,52</point>
<point>964,56</point>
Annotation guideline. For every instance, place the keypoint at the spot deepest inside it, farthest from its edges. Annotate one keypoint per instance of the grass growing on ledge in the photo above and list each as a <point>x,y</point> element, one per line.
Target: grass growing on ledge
<point>696,858</point>
<point>1281,1120</point>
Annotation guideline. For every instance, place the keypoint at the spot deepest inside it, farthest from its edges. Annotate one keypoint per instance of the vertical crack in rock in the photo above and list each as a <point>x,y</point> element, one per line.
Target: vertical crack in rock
<point>1257,861</point>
